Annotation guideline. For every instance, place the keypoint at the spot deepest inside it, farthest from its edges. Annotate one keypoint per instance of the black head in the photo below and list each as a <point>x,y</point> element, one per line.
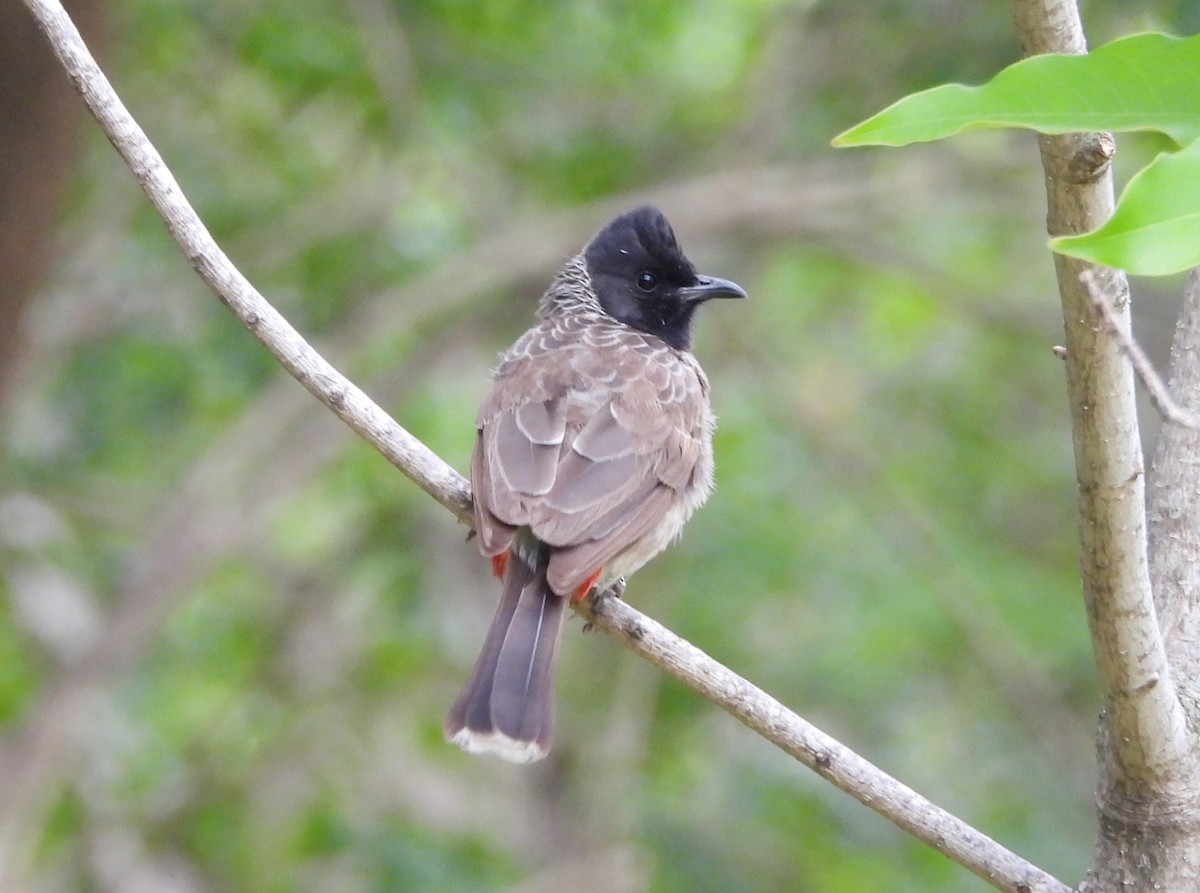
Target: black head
<point>643,279</point>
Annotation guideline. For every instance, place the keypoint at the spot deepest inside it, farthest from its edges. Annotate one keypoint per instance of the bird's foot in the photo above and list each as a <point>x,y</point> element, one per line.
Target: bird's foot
<point>616,590</point>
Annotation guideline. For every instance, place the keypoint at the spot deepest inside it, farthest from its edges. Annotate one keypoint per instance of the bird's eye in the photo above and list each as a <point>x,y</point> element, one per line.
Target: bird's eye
<point>647,281</point>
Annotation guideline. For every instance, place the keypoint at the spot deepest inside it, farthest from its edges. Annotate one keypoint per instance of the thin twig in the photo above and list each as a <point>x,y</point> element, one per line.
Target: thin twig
<point>760,712</point>
<point>1156,388</point>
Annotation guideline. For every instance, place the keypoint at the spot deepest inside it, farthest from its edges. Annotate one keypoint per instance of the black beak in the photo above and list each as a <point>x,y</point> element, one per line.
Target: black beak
<point>709,287</point>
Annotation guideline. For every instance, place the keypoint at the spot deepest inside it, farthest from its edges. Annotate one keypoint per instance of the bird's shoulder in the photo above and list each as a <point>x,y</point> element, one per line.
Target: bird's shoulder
<point>585,364</point>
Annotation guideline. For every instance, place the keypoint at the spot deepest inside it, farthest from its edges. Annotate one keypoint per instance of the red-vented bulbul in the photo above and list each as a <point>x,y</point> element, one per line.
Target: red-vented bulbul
<point>594,448</point>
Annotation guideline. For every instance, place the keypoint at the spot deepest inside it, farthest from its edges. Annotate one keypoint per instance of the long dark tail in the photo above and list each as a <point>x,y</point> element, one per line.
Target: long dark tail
<point>507,706</point>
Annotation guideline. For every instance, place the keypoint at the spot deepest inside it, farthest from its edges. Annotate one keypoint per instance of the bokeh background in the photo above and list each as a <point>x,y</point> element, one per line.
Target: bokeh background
<point>229,630</point>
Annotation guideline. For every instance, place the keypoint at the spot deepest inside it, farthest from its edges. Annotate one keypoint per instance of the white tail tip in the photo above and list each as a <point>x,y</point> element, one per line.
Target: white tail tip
<point>499,745</point>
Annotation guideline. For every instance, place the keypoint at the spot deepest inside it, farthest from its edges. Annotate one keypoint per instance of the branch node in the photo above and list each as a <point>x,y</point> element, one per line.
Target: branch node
<point>1146,686</point>
<point>1092,155</point>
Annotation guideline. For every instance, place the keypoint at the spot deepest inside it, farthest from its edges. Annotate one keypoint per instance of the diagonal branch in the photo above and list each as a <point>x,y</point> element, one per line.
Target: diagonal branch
<point>753,707</point>
<point>264,322</point>
<point>233,488</point>
<point>826,756</point>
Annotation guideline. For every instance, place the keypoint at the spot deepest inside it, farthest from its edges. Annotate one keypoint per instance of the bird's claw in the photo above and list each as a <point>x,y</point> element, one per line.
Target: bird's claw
<point>616,590</point>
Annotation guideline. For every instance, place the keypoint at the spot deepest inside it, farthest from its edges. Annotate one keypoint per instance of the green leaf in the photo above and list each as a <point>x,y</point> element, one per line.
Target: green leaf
<point>1142,82</point>
<point>1155,229</point>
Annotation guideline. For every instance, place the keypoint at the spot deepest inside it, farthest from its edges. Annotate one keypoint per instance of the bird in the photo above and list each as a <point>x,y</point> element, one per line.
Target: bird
<point>593,449</point>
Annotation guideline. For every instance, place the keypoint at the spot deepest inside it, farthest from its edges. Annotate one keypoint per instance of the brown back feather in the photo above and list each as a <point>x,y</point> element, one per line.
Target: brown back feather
<point>589,434</point>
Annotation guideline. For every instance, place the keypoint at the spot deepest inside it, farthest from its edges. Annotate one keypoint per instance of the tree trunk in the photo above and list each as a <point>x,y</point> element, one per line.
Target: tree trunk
<point>1138,561</point>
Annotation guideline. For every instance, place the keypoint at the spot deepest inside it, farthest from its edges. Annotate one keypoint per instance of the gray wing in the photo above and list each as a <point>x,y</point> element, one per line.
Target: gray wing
<point>589,445</point>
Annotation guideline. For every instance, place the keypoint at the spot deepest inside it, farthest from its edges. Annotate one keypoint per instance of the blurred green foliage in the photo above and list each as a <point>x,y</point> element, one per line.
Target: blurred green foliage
<point>1151,83</point>
<point>282,619</point>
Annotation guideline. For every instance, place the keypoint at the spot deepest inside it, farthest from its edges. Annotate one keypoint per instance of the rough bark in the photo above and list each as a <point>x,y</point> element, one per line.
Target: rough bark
<point>1173,512</point>
<point>1174,505</point>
